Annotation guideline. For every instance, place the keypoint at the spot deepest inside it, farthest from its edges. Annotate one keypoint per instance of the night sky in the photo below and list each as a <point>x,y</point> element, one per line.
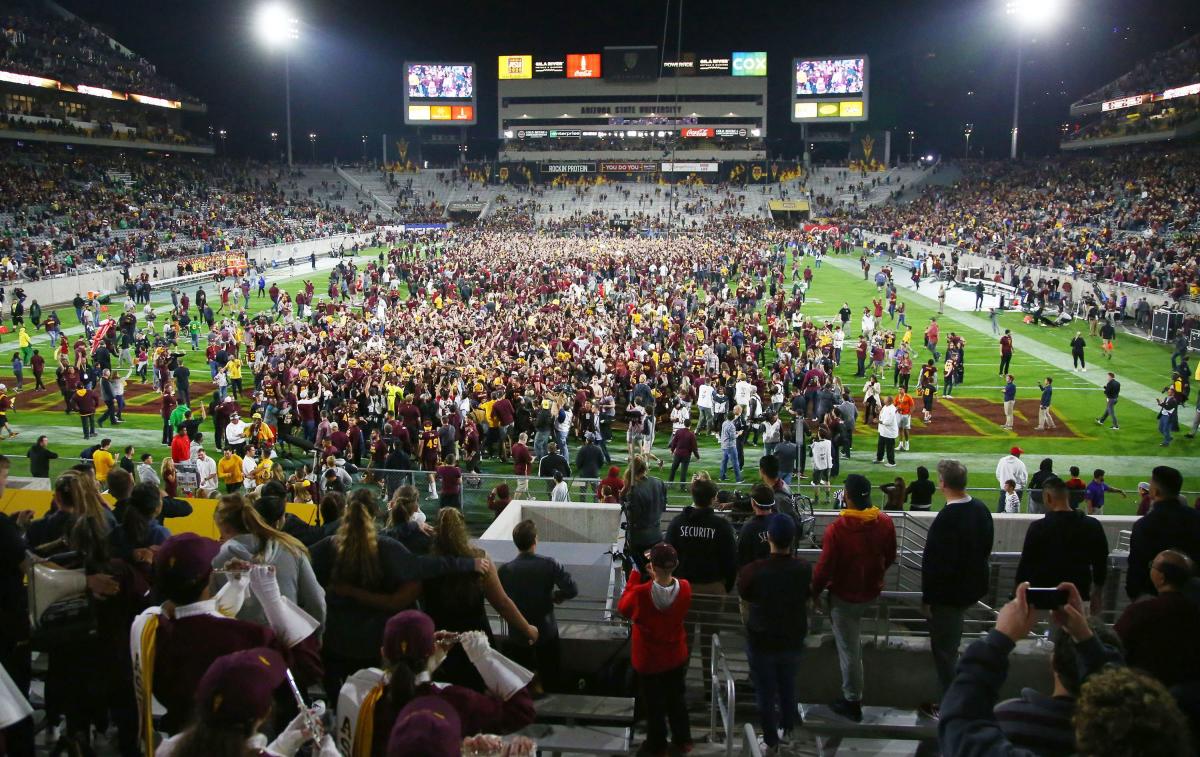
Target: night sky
<point>935,64</point>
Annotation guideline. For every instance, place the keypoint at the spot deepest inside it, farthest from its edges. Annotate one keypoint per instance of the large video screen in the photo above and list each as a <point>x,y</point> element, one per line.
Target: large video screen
<point>838,76</point>
<point>441,81</point>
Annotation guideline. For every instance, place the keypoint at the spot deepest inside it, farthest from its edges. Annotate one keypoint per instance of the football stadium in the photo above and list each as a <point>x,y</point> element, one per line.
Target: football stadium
<point>493,380</point>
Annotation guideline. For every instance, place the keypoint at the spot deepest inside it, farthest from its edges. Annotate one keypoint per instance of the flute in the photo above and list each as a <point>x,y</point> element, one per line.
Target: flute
<point>314,728</point>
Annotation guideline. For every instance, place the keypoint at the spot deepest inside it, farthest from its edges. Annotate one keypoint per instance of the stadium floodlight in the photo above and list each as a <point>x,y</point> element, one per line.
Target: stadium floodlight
<point>278,27</point>
<point>1033,13</point>
<point>1026,15</point>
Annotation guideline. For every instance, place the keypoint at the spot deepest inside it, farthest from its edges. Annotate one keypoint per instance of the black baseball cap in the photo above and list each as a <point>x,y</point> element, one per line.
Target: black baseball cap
<point>859,489</point>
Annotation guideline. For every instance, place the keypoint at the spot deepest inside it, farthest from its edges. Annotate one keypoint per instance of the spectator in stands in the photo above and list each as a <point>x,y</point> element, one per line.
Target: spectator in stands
<point>857,549</point>
<point>1119,711</point>
<point>707,549</point>
<point>752,539</point>
<point>657,604</point>
<point>17,737</point>
<point>537,583</point>
<point>1170,524</point>
<point>1065,546</point>
<point>367,578</point>
<point>456,602</point>
<point>645,500</point>
<point>776,591</point>
<point>954,567</point>
<point>1152,630</point>
<point>1042,724</point>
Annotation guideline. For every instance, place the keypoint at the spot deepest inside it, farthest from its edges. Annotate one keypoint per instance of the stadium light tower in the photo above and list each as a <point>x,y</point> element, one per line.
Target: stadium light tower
<point>1027,15</point>
<point>911,136</point>
<point>279,28</point>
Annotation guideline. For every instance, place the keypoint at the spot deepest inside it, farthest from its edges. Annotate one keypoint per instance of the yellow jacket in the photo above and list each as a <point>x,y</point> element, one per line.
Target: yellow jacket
<point>229,469</point>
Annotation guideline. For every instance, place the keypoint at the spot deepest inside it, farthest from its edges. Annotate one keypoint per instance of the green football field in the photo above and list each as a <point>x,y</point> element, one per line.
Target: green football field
<point>963,428</point>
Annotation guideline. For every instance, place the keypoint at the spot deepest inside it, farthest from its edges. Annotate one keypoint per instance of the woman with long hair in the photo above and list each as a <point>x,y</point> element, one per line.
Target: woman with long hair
<point>368,578</point>
<point>406,523</point>
<point>74,496</point>
<point>170,479</point>
<point>140,532</point>
<point>456,602</point>
<point>88,680</point>
<point>645,500</point>
<point>247,537</point>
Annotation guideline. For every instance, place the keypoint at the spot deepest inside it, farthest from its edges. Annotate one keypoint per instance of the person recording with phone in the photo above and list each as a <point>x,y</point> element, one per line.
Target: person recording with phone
<point>1118,710</point>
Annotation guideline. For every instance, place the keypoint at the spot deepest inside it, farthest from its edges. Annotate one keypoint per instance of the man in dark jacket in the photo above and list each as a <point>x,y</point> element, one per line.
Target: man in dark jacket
<point>856,550</point>
<point>1168,525</point>
<point>752,539</point>
<point>39,458</point>
<point>536,584</point>
<point>683,447</point>
<point>589,458</point>
<point>954,569</point>
<point>1066,546</point>
<point>707,550</point>
<point>776,592</point>
<point>553,463</point>
<point>86,402</point>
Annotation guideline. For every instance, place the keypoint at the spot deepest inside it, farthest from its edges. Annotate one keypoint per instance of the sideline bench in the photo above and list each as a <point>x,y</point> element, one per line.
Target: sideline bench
<point>880,724</point>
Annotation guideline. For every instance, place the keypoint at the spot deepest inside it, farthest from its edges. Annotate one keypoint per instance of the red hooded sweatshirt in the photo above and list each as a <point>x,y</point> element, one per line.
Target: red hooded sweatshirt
<point>659,639</point>
<point>857,549</point>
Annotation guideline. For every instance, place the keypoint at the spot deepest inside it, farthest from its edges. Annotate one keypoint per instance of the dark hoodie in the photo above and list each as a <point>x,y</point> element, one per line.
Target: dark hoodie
<point>707,546</point>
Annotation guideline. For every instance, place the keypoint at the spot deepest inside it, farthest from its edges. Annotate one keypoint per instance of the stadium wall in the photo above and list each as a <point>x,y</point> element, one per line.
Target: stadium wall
<point>56,291</point>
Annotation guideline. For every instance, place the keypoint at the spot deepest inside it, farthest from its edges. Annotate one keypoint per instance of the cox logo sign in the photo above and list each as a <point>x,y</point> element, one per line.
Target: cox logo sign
<point>749,64</point>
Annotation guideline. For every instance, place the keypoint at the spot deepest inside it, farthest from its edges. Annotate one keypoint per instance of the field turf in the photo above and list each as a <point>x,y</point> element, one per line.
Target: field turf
<point>963,428</point>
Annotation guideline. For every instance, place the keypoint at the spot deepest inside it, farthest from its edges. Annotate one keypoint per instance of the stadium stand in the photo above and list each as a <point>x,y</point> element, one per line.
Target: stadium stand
<point>69,210</point>
<point>1118,217</point>
<point>59,45</point>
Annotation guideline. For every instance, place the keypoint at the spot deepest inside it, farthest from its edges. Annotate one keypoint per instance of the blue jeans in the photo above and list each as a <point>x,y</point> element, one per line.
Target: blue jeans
<point>540,440</point>
<point>774,676</point>
<point>729,457</point>
<point>1164,428</point>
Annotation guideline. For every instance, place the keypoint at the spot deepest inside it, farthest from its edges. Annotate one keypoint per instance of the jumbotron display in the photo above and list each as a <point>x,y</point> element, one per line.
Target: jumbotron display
<point>431,80</point>
<point>439,94</point>
<point>843,76</point>
<point>830,89</point>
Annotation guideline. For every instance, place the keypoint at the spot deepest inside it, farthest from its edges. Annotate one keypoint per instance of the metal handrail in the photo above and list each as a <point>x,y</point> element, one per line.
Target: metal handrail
<point>726,706</point>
